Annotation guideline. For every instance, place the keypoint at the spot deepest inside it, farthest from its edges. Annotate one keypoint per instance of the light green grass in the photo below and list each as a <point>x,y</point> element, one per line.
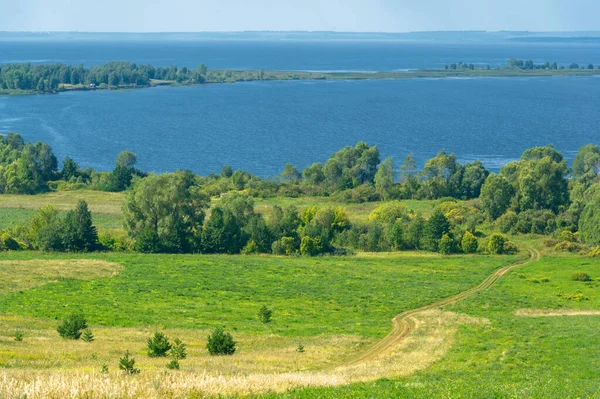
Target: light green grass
<point>309,296</point>
<point>513,356</point>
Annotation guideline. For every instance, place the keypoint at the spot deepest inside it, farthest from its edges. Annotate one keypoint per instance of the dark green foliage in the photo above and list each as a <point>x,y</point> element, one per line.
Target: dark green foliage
<point>447,245</point>
<point>87,335</point>
<point>300,348</point>
<point>173,364</point>
<point>311,246</point>
<point>580,276</point>
<point>500,245</point>
<point>25,168</point>
<point>536,222</point>
<point>158,345</point>
<point>70,169</point>
<point>435,228</point>
<point>351,167</point>
<point>19,335</point>
<point>290,173</point>
<point>507,222</point>
<point>127,364</point>
<point>385,178</point>
<point>265,314</point>
<point>167,208</point>
<point>72,326</point>
<point>589,224</point>
<point>222,233</point>
<point>220,343</point>
<point>496,195</point>
<point>586,165</point>
<point>104,369</point>
<point>78,233</point>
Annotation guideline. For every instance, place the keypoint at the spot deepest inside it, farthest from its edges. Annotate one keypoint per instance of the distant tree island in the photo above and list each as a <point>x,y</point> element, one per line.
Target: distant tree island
<point>30,78</point>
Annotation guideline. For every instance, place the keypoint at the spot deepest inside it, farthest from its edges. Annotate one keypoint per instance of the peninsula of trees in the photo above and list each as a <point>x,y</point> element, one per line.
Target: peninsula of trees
<point>53,78</point>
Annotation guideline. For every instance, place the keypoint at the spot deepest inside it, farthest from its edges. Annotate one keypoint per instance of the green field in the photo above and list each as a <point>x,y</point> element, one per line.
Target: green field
<point>519,353</point>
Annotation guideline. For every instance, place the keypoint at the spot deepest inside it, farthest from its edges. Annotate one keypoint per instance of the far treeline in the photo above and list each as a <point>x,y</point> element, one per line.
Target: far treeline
<point>53,78</point>
<point>173,212</point>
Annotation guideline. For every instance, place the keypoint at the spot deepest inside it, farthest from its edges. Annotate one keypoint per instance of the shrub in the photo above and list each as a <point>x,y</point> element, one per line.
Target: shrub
<point>310,246</point>
<point>580,276</point>
<point>469,243</point>
<point>127,364</point>
<point>72,326</point>
<point>220,343</point>
<point>104,369</point>
<point>87,335</point>
<point>158,345</point>
<point>115,242</point>
<point>178,350</point>
<point>550,242</point>
<point>250,248</point>
<point>173,364</point>
<point>567,236</point>
<point>567,246</point>
<point>265,314</point>
<point>300,348</point>
<point>507,222</point>
<point>8,243</point>
<point>594,252</point>
<point>499,244</point>
<point>19,335</point>
<point>447,245</point>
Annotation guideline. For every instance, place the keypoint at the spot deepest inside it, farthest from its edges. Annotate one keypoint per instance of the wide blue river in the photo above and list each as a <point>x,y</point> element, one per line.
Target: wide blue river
<point>261,126</point>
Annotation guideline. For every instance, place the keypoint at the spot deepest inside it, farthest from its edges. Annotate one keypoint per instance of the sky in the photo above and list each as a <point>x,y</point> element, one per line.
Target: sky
<point>307,15</point>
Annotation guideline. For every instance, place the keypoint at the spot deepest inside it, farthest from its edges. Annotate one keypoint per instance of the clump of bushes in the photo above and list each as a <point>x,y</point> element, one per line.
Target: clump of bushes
<point>469,243</point>
<point>220,343</point>
<point>72,326</point>
<point>580,276</point>
<point>500,245</point>
<point>568,246</point>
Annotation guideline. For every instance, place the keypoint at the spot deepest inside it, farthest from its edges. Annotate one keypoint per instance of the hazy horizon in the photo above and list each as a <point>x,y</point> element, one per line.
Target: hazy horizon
<point>357,16</point>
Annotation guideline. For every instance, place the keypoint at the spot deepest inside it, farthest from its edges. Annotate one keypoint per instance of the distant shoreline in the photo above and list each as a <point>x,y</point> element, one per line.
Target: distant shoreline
<point>238,76</point>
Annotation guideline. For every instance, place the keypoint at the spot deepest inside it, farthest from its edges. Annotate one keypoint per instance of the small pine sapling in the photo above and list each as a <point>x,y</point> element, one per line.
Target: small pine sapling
<point>127,364</point>
<point>87,335</point>
<point>19,335</point>
<point>265,314</point>
<point>158,345</point>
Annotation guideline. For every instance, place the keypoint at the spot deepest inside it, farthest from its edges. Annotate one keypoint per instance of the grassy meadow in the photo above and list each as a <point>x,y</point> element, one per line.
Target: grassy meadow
<point>531,335</point>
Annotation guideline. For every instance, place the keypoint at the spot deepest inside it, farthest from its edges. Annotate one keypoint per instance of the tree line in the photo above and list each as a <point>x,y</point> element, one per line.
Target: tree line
<point>50,77</point>
<point>524,65</point>
<point>171,212</point>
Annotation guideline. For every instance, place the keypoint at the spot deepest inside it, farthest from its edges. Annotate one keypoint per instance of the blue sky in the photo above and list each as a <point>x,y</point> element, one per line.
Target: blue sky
<point>333,15</point>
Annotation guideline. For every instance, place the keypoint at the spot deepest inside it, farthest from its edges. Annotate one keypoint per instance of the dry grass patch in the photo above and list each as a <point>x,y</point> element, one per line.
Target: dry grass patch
<point>19,275</point>
<point>555,312</point>
<point>44,366</point>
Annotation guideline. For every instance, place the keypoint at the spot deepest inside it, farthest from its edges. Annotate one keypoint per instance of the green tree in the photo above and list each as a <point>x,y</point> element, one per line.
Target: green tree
<point>586,165</point>
<point>473,178</point>
<point>447,245</point>
<point>469,243</point>
<point>72,326</point>
<point>222,233</point>
<point>70,169</point>
<point>170,207</point>
<point>589,223</point>
<point>220,343</point>
<point>290,173</point>
<point>496,195</point>
<point>435,228</point>
<point>158,345</point>
<point>126,159</point>
<point>384,179</point>
<point>78,233</point>
<point>314,174</point>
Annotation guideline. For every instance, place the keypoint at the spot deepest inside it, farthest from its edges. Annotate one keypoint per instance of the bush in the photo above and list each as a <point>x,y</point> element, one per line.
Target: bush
<point>594,252</point>
<point>19,335</point>
<point>8,243</point>
<point>580,276</point>
<point>507,222</point>
<point>447,245</point>
<point>87,336</point>
<point>115,242</point>
<point>550,242</point>
<point>158,345</point>
<point>265,314</point>
<point>220,343</point>
<point>127,364</point>
<point>499,245</point>
<point>178,350</point>
<point>250,248</point>
<point>469,243</point>
<point>173,364</point>
<point>567,246</point>
<point>72,326</point>
<point>310,246</point>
